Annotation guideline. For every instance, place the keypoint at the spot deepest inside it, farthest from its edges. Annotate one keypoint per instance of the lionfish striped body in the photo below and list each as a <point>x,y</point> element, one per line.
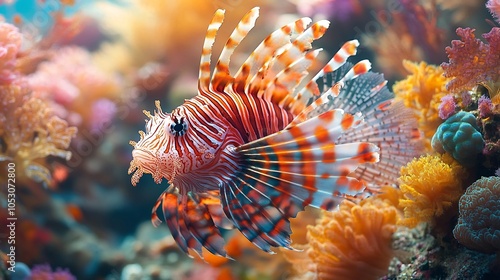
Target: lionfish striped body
<point>253,149</point>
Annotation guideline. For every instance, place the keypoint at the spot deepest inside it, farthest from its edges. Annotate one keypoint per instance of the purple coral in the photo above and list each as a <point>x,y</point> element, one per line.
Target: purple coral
<point>10,43</point>
<point>43,271</point>
<point>447,106</point>
<point>478,225</point>
<point>484,106</point>
<point>472,61</point>
<point>103,111</point>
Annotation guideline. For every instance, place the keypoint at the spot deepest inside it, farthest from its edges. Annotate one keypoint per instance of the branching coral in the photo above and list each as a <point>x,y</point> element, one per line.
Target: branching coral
<point>351,243</point>
<point>430,185</point>
<point>30,132</point>
<point>422,91</point>
<point>472,62</point>
<point>478,225</point>
<point>459,136</point>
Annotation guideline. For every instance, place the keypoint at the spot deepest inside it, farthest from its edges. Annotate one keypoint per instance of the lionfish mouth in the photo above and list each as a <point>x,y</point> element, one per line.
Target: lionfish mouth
<point>143,162</point>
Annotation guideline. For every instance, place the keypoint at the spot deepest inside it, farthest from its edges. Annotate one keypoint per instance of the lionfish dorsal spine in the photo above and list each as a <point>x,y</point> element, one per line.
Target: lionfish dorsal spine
<point>222,76</point>
<point>204,72</point>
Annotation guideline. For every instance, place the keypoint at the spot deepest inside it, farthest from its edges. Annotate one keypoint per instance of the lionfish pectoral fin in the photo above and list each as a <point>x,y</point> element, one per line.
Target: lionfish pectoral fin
<point>282,173</point>
<point>190,223</point>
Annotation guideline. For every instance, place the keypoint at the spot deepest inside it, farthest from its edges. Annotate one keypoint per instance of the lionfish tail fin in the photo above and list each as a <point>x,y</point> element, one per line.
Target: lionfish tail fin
<point>284,172</point>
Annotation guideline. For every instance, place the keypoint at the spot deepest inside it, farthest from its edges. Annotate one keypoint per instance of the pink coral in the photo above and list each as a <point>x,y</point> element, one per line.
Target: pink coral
<point>447,106</point>
<point>10,43</point>
<point>44,271</point>
<point>103,111</point>
<point>79,85</point>
<point>484,106</point>
<point>472,61</point>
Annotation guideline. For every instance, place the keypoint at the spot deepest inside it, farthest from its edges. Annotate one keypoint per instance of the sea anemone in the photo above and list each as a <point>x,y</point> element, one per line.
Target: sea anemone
<point>478,225</point>
<point>460,137</point>
<point>422,91</point>
<point>351,243</point>
<point>430,185</point>
<point>484,106</point>
<point>447,106</point>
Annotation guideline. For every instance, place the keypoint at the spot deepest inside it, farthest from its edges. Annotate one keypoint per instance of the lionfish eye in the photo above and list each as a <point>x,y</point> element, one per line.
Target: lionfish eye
<point>178,127</point>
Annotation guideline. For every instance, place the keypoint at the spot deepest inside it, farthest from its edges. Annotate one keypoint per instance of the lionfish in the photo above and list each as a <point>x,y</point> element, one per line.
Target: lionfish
<point>253,149</point>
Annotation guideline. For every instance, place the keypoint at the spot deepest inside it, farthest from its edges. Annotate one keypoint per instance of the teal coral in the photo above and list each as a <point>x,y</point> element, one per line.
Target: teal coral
<point>460,137</point>
<point>478,225</point>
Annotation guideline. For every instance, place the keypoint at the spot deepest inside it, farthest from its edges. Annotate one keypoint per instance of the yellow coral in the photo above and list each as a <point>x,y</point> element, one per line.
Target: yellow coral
<point>430,185</point>
<point>351,243</point>
<point>30,133</point>
<point>422,91</point>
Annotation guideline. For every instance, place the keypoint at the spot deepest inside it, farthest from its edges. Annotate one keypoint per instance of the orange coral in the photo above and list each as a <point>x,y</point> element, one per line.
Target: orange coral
<point>422,91</point>
<point>430,185</point>
<point>351,243</point>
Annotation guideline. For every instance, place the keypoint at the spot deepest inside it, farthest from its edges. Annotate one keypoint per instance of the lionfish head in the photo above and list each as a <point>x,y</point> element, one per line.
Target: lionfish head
<point>146,153</point>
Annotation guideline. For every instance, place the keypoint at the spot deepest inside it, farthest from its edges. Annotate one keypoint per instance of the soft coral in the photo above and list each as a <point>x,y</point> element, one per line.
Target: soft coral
<point>472,61</point>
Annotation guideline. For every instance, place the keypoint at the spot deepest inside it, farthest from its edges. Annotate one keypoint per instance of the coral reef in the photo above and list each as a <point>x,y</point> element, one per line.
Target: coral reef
<point>413,247</point>
<point>430,184</point>
<point>68,65</point>
<point>351,243</point>
<point>478,225</point>
<point>419,257</point>
<point>422,91</point>
<point>472,62</point>
<point>460,137</point>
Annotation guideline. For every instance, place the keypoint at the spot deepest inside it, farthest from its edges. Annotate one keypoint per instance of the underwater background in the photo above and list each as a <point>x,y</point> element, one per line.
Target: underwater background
<point>75,77</point>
